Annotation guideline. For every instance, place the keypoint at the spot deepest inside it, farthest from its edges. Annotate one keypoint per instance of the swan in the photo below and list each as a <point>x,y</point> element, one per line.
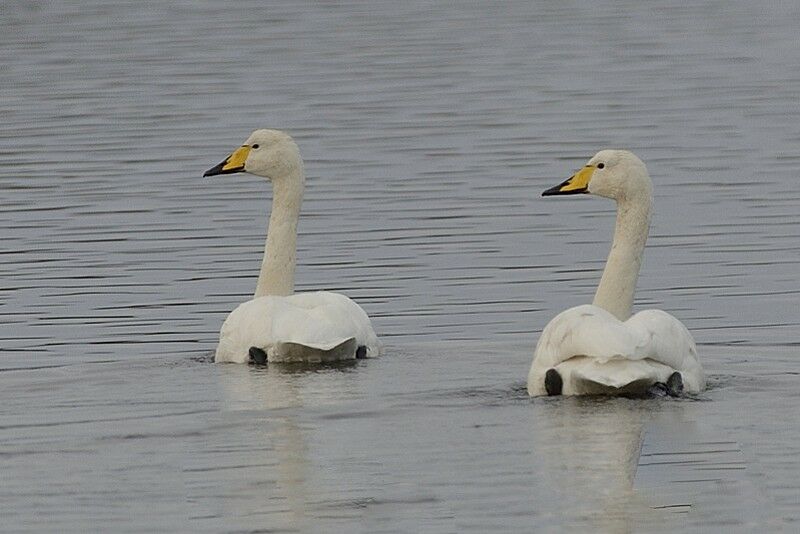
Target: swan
<point>278,325</point>
<point>599,348</point>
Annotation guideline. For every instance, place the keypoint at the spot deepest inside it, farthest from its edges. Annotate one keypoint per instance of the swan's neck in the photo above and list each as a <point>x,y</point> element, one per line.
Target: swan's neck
<point>277,268</point>
<point>618,283</point>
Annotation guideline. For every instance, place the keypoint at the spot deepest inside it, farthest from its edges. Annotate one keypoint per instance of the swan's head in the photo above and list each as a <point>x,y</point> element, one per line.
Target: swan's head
<point>616,174</point>
<point>268,153</point>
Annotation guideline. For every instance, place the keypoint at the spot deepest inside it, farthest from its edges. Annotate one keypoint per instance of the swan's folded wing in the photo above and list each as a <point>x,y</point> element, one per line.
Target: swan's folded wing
<point>670,343</point>
<point>248,325</point>
<point>588,331</point>
<point>323,318</point>
<point>319,324</point>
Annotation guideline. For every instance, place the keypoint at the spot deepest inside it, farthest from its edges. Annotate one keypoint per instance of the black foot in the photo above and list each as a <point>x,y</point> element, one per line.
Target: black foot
<point>257,356</point>
<point>553,382</point>
<point>658,389</point>
<point>361,352</point>
<point>672,388</point>
<point>675,384</point>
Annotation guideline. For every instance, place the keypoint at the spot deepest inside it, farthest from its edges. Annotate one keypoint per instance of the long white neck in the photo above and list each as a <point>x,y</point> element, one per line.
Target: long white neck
<point>277,267</point>
<point>618,283</point>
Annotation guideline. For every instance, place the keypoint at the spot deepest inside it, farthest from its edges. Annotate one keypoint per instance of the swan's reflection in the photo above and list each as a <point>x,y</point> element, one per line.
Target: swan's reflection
<point>587,451</point>
<point>282,474</point>
<point>288,385</point>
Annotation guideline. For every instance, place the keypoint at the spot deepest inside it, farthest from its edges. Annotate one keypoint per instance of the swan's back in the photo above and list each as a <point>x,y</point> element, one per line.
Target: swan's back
<point>282,326</point>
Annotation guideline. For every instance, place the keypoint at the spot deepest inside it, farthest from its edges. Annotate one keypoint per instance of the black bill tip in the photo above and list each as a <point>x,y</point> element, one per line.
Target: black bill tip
<point>552,191</point>
<point>559,189</point>
<point>220,169</point>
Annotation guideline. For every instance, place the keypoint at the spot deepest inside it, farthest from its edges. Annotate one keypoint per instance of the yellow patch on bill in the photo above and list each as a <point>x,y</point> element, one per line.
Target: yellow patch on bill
<point>237,159</point>
<point>580,180</point>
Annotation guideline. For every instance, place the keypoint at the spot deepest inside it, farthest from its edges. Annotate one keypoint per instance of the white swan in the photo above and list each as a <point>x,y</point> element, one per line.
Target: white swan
<point>599,348</point>
<point>278,325</point>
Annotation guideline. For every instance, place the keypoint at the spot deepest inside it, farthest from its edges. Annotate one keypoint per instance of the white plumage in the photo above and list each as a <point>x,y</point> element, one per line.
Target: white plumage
<point>600,348</point>
<point>304,327</point>
<point>596,353</point>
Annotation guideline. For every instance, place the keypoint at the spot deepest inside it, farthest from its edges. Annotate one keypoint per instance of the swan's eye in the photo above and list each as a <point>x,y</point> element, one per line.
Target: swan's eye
<point>254,146</point>
<point>601,165</point>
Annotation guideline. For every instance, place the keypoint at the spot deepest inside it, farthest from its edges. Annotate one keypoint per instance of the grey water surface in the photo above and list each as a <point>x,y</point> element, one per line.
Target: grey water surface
<point>429,130</point>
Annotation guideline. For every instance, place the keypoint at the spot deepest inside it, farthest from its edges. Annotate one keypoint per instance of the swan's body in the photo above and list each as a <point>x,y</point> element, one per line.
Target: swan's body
<point>305,327</point>
<point>596,353</point>
<point>284,326</point>
<point>599,348</point>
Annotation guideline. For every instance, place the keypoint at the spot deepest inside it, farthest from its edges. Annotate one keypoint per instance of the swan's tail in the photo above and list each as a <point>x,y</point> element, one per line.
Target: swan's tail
<point>290,352</point>
<point>588,376</point>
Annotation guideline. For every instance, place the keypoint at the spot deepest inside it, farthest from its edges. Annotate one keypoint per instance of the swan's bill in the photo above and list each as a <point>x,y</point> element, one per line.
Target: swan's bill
<point>577,183</point>
<point>231,164</point>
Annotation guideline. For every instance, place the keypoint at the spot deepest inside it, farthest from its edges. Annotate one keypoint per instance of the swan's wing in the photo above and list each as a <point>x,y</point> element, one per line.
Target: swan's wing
<point>670,343</point>
<point>322,319</point>
<point>587,331</point>
<point>319,320</point>
<point>248,325</point>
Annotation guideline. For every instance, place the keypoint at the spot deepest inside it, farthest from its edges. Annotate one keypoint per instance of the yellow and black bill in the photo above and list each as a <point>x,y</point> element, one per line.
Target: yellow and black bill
<point>231,164</point>
<point>577,183</point>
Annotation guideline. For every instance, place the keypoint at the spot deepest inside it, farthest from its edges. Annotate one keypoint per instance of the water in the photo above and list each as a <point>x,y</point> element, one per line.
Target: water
<point>429,131</point>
